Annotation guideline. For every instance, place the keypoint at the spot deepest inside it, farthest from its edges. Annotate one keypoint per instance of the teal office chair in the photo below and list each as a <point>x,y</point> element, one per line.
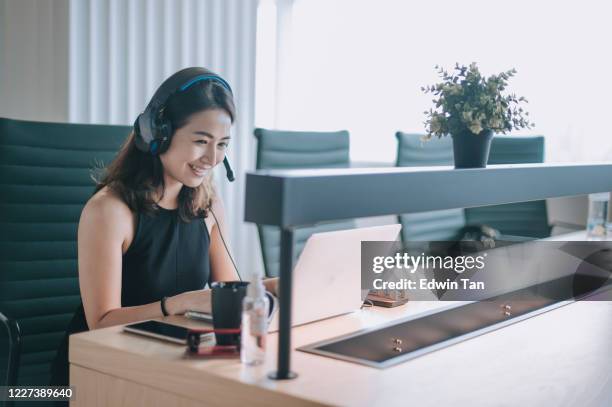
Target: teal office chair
<point>277,149</point>
<point>45,177</point>
<point>525,219</point>
<point>435,225</point>
<point>10,345</point>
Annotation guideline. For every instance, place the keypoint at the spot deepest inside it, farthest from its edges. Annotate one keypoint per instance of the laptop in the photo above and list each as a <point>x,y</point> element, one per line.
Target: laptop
<point>327,275</point>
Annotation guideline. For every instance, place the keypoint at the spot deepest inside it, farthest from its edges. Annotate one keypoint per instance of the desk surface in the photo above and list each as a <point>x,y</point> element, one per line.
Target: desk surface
<point>562,357</point>
<point>558,358</point>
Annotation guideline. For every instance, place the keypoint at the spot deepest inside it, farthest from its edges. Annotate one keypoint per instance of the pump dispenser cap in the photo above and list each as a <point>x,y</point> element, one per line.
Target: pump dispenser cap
<point>256,288</point>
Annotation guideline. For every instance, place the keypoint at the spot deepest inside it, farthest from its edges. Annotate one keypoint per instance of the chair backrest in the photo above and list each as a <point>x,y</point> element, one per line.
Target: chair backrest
<point>434,225</point>
<point>278,149</point>
<point>45,176</point>
<point>10,351</point>
<point>520,219</point>
<point>413,151</point>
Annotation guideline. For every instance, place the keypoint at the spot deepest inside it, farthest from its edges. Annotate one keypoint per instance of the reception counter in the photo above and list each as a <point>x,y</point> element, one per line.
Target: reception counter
<point>561,357</point>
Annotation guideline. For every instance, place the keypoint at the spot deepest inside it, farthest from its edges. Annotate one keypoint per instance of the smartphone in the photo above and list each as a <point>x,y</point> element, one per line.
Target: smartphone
<point>164,331</point>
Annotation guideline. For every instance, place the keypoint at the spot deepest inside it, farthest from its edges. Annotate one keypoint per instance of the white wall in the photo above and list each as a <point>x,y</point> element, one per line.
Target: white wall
<point>34,59</point>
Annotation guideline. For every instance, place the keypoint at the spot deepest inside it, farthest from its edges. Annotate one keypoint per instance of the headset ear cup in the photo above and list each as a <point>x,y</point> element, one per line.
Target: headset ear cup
<point>165,133</point>
<point>137,126</point>
<point>138,140</point>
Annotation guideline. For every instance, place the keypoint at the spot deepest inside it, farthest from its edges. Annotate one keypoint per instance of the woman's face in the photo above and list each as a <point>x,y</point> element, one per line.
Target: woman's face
<point>197,147</point>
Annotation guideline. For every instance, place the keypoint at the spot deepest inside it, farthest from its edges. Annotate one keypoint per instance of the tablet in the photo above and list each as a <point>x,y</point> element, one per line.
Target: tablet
<point>163,331</point>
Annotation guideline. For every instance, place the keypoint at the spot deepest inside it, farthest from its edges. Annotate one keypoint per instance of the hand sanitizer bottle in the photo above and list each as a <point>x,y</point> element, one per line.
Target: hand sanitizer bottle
<point>254,323</point>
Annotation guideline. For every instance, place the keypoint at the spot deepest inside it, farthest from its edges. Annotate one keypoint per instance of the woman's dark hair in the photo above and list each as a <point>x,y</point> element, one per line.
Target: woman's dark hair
<point>135,175</point>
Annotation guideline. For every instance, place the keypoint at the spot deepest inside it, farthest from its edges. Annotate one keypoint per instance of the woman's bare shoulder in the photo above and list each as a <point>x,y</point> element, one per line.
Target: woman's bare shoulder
<point>106,206</point>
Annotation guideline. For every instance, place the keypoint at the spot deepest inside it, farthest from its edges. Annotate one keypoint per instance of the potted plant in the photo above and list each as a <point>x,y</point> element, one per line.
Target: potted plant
<point>471,108</point>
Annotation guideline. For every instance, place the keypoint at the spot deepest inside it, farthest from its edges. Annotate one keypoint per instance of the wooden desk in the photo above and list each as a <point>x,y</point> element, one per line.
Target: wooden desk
<point>562,357</point>
<point>559,358</point>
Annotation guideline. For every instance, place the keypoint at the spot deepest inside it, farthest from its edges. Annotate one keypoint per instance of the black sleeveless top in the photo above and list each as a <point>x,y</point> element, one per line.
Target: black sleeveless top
<point>166,257</point>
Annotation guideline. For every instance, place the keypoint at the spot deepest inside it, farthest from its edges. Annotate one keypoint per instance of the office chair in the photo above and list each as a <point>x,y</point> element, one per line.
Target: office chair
<point>434,225</point>
<point>278,149</point>
<point>10,343</point>
<point>525,219</point>
<point>45,172</point>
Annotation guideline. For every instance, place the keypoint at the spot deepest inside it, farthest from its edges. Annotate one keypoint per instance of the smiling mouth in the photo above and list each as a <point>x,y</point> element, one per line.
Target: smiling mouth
<point>198,171</point>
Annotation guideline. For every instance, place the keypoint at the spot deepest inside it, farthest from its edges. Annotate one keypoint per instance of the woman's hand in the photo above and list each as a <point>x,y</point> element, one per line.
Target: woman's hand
<point>198,300</point>
<point>271,285</point>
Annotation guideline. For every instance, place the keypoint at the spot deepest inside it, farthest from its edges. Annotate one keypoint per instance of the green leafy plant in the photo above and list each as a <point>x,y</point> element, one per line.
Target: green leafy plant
<point>467,101</point>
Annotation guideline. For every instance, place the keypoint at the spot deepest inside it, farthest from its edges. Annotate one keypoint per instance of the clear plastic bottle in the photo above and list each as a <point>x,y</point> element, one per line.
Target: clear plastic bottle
<point>598,215</point>
<point>254,323</point>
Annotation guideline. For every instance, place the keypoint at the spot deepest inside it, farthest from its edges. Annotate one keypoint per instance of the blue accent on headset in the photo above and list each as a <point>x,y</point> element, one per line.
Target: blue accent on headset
<point>154,146</point>
<point>203,78</point>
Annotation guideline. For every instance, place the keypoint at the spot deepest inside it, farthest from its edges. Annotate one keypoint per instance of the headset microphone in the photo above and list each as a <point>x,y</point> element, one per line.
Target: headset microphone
<point>228,170</point>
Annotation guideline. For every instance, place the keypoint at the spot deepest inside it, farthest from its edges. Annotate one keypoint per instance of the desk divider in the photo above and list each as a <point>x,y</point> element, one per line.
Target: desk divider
<point>291,198</point>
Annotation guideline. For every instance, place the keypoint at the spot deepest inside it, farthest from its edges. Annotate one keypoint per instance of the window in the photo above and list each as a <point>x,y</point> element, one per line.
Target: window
<point>359,65</point>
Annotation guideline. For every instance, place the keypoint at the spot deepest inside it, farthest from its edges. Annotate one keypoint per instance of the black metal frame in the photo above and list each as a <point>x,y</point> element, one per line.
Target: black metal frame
<point>14,351</point>
<point>284,317</point>
<point>291,198</point>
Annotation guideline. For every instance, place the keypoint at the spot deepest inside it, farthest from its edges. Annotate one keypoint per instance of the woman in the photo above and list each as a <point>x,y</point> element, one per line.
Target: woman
<point>147,243</point>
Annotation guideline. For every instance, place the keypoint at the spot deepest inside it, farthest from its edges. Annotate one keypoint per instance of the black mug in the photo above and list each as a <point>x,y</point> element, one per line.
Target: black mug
<point>227,299</point>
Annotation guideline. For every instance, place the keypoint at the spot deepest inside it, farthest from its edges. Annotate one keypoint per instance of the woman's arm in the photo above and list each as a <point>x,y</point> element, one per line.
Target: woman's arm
<point>105,230</point>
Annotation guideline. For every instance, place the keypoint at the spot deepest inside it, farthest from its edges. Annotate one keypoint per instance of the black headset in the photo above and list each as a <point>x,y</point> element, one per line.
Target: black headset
<point>153,131</point>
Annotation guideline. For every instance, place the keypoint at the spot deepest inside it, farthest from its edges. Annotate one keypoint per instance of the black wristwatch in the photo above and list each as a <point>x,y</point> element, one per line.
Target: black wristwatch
<point>163,306</point>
